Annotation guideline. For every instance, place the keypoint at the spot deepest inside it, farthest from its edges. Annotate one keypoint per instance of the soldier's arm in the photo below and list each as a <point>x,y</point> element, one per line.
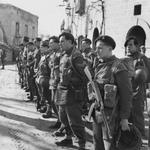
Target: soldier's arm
<point>56,71</point>
<point>37,59</point>
<point>125,93</point>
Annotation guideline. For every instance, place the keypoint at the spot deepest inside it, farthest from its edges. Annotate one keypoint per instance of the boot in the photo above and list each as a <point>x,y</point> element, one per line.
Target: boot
<point>48,113</point>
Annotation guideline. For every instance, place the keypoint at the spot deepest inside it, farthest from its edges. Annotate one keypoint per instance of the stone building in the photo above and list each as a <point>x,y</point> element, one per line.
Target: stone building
<point>117,18</point>
<point>16,23</point>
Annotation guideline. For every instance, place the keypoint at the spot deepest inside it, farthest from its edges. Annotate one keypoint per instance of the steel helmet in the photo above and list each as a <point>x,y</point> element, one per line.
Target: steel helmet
<point>140,75</point>
<point>129,140</point>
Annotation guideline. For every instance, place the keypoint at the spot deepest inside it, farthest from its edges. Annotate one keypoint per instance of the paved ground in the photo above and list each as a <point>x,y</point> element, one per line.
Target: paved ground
<point>21,126</point>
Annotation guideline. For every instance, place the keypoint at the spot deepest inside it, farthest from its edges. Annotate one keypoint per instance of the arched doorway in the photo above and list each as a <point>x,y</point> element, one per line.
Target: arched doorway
<point>139,33</point>
<point>95,35</point>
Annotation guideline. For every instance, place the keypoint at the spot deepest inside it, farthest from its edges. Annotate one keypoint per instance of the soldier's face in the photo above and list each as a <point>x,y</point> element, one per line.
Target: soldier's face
<point>31,47</point>
<point>103,50</point>
<point>37,43</point>
<point>65,44</point>
<point>21,47</point>
<point>84,45</point>
<point>44,49</point>
<point>53,45</point>
<point>131,47</point>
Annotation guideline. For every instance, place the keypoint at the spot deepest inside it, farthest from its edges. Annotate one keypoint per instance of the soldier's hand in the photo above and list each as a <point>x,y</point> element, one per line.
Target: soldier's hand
<point>124,124</point>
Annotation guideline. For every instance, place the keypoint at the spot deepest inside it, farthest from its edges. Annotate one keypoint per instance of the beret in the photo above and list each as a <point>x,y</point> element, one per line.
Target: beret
<point>131,38</point>
<point>30,43</point>
<point>37,39</point>
<point>107,40</point>
<point>26,39</point>
<point>86,40</point>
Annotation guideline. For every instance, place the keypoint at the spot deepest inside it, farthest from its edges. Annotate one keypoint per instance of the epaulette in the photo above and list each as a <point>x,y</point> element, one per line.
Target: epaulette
<point>118,66</point>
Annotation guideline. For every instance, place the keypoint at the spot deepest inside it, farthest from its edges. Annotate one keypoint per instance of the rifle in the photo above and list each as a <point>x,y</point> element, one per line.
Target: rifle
<point>99,100</point>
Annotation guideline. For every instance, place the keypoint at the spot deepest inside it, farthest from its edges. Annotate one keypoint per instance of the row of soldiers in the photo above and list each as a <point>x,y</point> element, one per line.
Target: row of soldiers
<point>57,75</point>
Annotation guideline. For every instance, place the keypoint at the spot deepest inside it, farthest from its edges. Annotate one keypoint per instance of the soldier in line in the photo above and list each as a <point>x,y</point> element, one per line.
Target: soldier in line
<point>53,47</point>
<point>110,73</point>
<point>30,70</point>
<point>20,64</point>
<point>42,81</point>
<point>54,79</point>
<point>24,56</point>
<point>69,94</point>
<point>37,52</point>
<point>89,56</point>
<point>87,51</point>
<point>141,76</point>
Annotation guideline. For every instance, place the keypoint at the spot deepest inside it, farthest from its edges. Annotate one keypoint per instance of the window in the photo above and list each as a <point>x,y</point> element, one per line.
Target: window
<point>17,28</point>
<point>137,9</point>
<point>26,30</point>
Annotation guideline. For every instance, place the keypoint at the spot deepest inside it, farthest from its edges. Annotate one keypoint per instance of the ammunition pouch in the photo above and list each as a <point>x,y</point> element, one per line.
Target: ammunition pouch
<point>110,92</point>
<point>68,96</point>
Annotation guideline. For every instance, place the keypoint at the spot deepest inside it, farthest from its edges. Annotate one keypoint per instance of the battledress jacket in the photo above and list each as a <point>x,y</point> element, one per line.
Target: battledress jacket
<point>71,74</point>
<point>103,74</point>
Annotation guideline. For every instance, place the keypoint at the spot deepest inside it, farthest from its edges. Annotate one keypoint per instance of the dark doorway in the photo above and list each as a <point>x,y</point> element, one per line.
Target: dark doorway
<point>139,33</point>
<point>95,35</point>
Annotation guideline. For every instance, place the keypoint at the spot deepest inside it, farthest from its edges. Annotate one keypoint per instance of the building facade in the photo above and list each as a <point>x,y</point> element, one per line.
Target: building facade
<point>16,23</point>
<point>119,19</point>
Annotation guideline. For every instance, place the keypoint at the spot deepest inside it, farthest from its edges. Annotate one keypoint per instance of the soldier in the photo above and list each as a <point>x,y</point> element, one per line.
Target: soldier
<point>24,56</point>
<point>20,64</point>
<point>42,81</point>
<point>115,88</point>
<point>87,51</point>
<point>54,79</point>
<point>30,69</point>
<point>53,65</point>
<point>37,52</point>
<point>89,56</point>
<point>141,76</point>
<point>69,94</point>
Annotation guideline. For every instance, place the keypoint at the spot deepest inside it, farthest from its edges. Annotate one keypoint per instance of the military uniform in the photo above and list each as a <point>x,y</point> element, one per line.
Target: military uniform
<point>37,57</point>
<point>139,91</point>
<point>42,81</point>
<point>89,57</point>
<point>111,71</point>
<point>30,72</point>
<point>54,76</point>
<point>111,77</point>
<point>69,94</point>
<point>20,68</point>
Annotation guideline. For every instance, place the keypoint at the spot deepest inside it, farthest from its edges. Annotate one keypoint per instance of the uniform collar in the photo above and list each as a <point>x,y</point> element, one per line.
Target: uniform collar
<point>105,60</point>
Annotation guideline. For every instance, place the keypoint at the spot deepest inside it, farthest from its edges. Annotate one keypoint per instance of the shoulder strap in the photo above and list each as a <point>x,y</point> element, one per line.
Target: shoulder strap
<point>113,69</point>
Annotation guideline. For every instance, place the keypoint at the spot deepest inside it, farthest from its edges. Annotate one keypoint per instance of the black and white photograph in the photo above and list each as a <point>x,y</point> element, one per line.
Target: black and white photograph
<point>74,75</point>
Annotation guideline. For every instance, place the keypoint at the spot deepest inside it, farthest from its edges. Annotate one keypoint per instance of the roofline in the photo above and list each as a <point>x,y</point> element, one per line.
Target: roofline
<point>10,5</point>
